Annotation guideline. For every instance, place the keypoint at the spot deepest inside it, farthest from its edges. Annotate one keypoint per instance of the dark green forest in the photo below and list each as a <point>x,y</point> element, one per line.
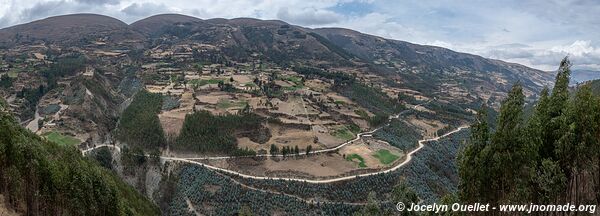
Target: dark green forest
<point>204,132</point>
<point>38,177</point>
<point>551,157</point>
<point>139,125</point>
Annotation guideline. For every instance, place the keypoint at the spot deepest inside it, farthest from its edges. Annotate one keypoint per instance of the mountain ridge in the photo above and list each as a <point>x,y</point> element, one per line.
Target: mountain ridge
<point>173,17</point>
<point>396,63</point>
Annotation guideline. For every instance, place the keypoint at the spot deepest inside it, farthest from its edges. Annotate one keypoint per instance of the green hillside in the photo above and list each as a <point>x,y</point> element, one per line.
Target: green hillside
<point>595,84</point>
<point>39,177</point>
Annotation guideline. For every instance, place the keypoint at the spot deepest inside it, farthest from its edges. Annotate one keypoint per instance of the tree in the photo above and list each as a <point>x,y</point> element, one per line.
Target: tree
<point>580,126</point>
<point>308,149</point>
<point>139,124</point>
<point>556,105</point>
<point>402,193</point>
<point>448,200</point>
<point>274,150</point>
<point>537,127</point>
<point>472,160</point>
<point>104,157</point>
<point>554,158</point>
<point>507,154</point>
<point>245,211</point>
<point>372,208</point>
<point>551,181</point>
<point>284,151</point>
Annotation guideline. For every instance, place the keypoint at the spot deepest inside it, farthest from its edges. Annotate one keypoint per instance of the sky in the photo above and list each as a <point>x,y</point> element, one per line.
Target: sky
<point>536,33</point>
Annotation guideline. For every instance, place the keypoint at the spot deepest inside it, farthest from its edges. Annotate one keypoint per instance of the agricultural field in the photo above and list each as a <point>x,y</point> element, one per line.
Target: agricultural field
<point>385,157</point>
<point>356,158</point>
<point>61,139</point>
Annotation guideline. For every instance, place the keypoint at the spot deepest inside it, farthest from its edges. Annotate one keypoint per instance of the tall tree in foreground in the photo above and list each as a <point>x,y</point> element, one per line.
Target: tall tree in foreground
<point>471,160</point>
<point>556,105</point>
<point>579,138</point>
<point>508,153</point>
<point>555,158</point>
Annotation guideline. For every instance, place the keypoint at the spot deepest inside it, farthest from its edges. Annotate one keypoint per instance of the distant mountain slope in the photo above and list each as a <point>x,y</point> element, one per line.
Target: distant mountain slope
<point>69,30</point>
<point>157,24</point>
<point>426,69</point>
<point>241,38</point>
<point>436,64</point>
<point>578,76</point>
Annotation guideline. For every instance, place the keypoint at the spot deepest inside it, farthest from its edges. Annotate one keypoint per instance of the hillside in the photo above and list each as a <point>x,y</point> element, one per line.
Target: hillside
<point>595,84</point>
<point>68,29</point>
<point>39,177</point>
<point>430,67</point>
<point>249,97</point>
<point>580,76</point>
<point>159,24</point>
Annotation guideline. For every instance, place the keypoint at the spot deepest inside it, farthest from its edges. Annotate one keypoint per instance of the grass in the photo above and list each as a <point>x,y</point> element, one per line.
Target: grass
<point>250,84</point>
<point>385,156</point>
<point>293,88</point>
<point>363,114</point>
<point>347,132</point>
<point>361,162</point>
<point>226,103</point>
<point>202,82</point>
<point>13,73</point>
<point>297,83</point>
<point>340,102</point>
<point>344,133</point>
<point>296,80</point>
<point>61,139</point>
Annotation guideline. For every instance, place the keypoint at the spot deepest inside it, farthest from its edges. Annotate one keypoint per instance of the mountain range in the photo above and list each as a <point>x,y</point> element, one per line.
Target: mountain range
<point>419,67</point>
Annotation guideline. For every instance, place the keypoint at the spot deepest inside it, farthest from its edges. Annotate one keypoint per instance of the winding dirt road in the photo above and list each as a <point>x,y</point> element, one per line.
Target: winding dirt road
<point>323,181</point>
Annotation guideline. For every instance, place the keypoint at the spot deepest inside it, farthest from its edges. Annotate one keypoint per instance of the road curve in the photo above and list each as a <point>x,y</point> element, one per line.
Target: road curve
<point>358,136</point>
<point>324,181</point>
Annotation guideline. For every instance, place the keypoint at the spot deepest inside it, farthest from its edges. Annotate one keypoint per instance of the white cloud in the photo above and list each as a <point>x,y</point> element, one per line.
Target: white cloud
<point>308,16</point>
<point>577,49</point>
<point>145,9</point>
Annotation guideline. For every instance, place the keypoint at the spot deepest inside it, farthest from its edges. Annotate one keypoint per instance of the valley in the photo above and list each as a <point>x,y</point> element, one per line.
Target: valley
<point>217,116</point>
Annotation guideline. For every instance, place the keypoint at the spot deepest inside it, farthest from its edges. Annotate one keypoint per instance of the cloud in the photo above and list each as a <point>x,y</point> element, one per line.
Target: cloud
<point>308,16</point>
<point>99,2</point>
<point>45,9</point>
<point>578,49</point>
<point>582,53</point>
<point>145,9</point>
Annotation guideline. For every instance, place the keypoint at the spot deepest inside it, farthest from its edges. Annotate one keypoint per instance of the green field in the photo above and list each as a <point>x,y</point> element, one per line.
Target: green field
<point>343,133</point>
<point>61,139</point>
<point>340,102</point>
<point>361,162</point>
<point>13,73</point>
<point>296,80</point>
<point>385,156</point>
<point>226,103</point>
<point>201,82</point>
<point>297,83</point>
<point>347,132</point>
<point>250,84</point>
